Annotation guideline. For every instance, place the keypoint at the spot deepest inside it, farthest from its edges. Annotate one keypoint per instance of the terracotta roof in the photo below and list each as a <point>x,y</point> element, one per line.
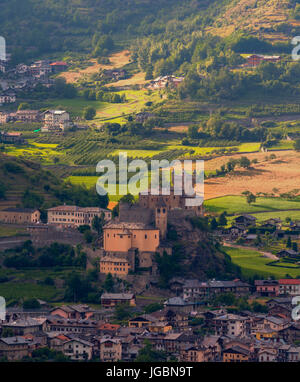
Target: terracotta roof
<point>60,63</point>
<point>289,281</point>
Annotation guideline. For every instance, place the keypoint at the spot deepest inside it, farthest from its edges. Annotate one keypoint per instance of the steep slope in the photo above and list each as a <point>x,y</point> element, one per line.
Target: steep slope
<point>260,17</point>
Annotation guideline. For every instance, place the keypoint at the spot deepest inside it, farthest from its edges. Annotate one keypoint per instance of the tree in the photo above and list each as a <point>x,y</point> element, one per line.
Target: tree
<point>88,236</point>
<point>245,162</point>
<point>77,288</point>
<point>31,304</point>
<point>148,354</point>
<point>2,190</point>
<point>193,132</point>
<point>289,242</point>
<point>23,106</point>
<point>109,283</point>
<point>295,247</point>
<point>89,113</point>
<point>129,199</point>
<point>222,221</point>
<point>122,312</point>
<point>251,198</point>
<point>97,223</point>
<point>297,142</point>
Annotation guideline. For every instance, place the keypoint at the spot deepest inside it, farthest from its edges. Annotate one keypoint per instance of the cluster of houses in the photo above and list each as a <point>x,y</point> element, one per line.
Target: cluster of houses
<point>54,121</point>
<point>254,60</point>
<point>163,82</point>
<point>25,77</point>
<point>245,227</point>
<point>183,329</point>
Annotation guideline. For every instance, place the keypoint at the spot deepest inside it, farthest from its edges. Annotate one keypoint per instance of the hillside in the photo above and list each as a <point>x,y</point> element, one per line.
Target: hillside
<point>26,184</point>
<point>260,17</point>
<point>55,27</point>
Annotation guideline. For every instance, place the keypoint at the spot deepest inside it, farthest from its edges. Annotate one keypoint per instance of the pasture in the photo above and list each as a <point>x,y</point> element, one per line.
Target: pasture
<point>237,204</point>
<point>253,263</point>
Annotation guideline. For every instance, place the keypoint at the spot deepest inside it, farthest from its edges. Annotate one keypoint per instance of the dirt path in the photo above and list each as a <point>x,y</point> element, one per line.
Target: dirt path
<point>265,254</point>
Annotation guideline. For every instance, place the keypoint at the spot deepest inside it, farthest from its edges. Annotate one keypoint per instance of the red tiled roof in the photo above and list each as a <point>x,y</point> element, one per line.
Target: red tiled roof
<point>60,63</point>
<point>62,337</point>
<point>289,281</point>
<point>14,134</point>
<point>109,327</point>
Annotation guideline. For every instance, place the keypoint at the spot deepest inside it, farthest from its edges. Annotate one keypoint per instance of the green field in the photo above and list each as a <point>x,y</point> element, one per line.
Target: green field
<point>6,231</point>
<point>12,290</point>
<point>106,111</point>
<point>237,204</point>
<point>138,153</point>
<point>88,181</point>
<point>42,152</point>
<point>252,262</point>
<point>294,215</point>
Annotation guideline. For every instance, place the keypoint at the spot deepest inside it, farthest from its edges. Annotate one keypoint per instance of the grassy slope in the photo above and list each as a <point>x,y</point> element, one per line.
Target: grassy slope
<point>252,262</point>
<point>252,15</point>
<point>238,204</point>
<point>32,177</point>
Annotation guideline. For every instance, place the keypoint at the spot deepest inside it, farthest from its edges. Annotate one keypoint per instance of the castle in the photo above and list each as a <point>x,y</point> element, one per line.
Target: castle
<point>140,231</point>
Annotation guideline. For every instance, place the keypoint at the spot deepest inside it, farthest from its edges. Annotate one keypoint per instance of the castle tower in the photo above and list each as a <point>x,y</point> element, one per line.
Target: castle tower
<point>161,218</point>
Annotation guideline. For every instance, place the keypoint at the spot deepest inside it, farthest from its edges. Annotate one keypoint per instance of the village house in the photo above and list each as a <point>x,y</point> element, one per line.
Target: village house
<point>14,348</point>
<point>115,266</point>
<point>280,307</point>
<point>4,117</point>
<point>143,116</point>
<point>209,350</point>
<point>71,326</point>
<point>165,81</point>
<point>22,327</point>
<point>267,355</point>
<point>178,304</point>
<point>230,324</point>
<point>195,354</point>
<point>269,288</point>
<point>141,321</point>
<point>20,216</point>
<point>256,59</point>
<point>40,68</point>
<point>268,326</point>
<point>7,96</point>
<point>110,350</point>
<point>110,300</point>
<point>14,138</point>
<point>58,66</point>
<point>55,121</point>
<point>287,253</point>
<point>26,115</point>
<point>56,341</point>
<point>290,333</point>
<point>289,287</point>
<point>195,289</point>
<point>245,220</point>
<point>236,354</point>
<point>76,216</point>
<point>75,312</point>
<point>78,349</point>
<point>114,74</point>
<point>288,353</point>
